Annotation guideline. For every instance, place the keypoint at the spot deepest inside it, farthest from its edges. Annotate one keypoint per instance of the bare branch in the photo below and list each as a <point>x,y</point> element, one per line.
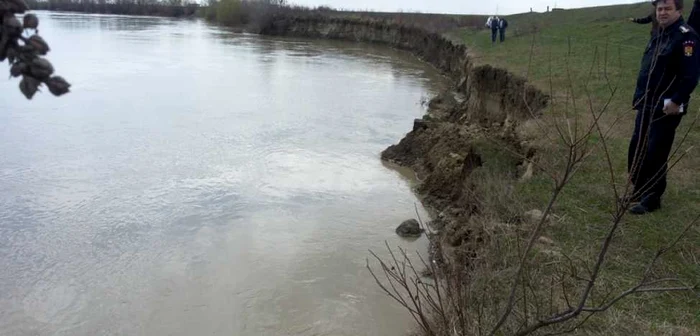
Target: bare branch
<point>636,291</point>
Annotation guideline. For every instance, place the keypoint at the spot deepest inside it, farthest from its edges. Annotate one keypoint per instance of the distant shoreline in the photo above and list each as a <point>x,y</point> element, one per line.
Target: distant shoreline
<point>118,9</point>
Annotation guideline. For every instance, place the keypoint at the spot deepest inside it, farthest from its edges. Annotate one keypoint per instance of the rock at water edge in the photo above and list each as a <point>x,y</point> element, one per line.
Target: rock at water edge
<point>409,228</point>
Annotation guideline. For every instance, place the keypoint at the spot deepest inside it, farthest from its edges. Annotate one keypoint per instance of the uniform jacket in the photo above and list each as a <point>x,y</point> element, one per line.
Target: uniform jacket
<point>669,69</point>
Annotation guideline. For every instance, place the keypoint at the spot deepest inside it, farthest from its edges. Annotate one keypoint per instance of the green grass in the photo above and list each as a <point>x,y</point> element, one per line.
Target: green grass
<point>569,53</point>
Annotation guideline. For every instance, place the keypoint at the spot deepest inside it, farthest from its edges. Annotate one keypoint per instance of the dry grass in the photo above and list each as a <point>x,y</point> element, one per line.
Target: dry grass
<point>581,52</point>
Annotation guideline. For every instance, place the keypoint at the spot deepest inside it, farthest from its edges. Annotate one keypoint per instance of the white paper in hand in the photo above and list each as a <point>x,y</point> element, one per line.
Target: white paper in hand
<point>667,101</point>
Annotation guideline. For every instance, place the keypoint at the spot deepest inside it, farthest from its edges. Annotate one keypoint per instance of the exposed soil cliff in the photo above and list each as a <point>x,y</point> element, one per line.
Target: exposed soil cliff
<point>430,47</point>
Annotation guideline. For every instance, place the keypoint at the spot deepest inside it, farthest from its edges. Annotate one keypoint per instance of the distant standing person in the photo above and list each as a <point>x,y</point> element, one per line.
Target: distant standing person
<point>488,21</point>
<point>651,18</point>
<point>492,23</point>
<point>502,25</point>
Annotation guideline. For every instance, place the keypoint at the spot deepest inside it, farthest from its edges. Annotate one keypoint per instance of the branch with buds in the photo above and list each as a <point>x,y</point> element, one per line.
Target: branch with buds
<point>24,53</point>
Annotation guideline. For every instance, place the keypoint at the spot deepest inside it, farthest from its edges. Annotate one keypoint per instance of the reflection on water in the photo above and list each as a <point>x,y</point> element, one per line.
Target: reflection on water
<point>198,181</point>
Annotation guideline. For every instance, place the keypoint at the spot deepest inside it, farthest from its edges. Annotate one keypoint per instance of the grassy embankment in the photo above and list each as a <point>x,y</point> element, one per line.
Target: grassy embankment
<point>568,51</point>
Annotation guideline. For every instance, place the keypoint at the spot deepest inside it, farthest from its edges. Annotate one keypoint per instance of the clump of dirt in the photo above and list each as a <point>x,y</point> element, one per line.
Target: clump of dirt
<point>442,156</point>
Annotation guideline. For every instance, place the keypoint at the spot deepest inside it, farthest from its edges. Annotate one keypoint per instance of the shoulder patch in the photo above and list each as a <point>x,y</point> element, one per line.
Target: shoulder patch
<point>684,29</point>
<point>689,48</point>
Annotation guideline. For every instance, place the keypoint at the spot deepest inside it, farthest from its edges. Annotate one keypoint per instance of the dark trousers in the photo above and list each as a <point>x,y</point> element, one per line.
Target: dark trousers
<point>503,34</point>
<point>648,155</point>
<point>494,32</point>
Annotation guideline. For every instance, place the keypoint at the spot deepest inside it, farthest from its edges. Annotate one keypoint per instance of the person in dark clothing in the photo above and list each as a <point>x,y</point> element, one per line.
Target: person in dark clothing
<point>493,24</point>
<point>668,75</point>
<point>644,20</point>
<point>502,25</point>
<point>651,18</point>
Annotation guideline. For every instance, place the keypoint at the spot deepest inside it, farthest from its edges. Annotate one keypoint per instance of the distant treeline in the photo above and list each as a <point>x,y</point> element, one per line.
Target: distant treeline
<point>171,8</point>
<point>250,13</point>
<point>242,12</point>
<point>257,12</point>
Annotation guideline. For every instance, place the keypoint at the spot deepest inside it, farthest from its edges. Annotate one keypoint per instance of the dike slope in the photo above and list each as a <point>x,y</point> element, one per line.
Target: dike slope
<point>444,147</point>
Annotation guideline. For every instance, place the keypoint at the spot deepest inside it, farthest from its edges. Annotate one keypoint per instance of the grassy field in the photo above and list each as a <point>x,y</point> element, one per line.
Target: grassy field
<point>595,53</point>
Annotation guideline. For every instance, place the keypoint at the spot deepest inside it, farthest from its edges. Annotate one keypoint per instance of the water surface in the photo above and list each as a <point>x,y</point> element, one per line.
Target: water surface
<point>202,182</point>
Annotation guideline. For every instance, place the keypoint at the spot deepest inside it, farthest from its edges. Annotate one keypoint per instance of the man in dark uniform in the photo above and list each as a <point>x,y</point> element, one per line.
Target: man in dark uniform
<point>502,25</point>
<point>493,24</point>
<point>668,75</point>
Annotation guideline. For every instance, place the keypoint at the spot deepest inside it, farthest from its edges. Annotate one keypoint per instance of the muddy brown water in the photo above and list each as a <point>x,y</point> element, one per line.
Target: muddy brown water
<point>199,181</point>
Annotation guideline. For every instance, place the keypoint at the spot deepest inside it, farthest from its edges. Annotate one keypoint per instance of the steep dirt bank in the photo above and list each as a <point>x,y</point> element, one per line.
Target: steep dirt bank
<point>468,139</point>
<point>466,127</point>
<point>430,47</point>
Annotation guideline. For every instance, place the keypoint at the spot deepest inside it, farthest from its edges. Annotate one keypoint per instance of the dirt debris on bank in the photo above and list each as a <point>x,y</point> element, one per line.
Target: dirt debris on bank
<point>446,147</point>
<point>466,129</point>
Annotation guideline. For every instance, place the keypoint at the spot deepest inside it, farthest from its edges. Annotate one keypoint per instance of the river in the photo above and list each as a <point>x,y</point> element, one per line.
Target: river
<point>198,181</point>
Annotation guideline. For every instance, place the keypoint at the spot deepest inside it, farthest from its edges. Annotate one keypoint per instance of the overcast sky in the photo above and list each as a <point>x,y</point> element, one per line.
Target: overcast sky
<point>458,6</point>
